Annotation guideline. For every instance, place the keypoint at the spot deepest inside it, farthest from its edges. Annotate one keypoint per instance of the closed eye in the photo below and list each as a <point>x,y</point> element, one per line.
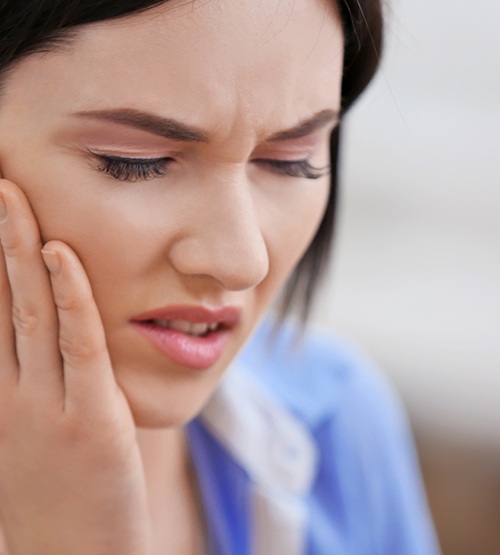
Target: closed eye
<point>296,168</point>
<point>144,169</point>
<point>133,169</point>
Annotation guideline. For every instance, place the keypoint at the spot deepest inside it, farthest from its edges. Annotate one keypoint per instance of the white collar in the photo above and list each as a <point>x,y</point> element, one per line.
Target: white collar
<point>277,452</point>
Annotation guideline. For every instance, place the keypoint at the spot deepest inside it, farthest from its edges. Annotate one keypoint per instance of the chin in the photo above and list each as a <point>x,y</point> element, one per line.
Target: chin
<point>146,417</point>
<point>165,407</point>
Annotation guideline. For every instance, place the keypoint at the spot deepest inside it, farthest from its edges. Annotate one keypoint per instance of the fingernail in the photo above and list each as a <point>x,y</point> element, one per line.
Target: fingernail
<point>52,261</point>
<point>3,209</point>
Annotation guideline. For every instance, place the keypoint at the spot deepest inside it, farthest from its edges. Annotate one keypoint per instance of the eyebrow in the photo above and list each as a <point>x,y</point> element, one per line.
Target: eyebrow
<point>177,131</point>
<point>307,126</point>
<point>145,121</point>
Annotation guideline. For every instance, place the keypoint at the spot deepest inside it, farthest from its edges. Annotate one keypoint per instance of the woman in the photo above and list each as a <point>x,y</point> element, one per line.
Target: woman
<point>166,171</point>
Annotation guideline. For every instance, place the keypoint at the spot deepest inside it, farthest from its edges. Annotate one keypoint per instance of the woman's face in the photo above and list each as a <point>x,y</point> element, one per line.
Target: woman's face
<point>167,149</point>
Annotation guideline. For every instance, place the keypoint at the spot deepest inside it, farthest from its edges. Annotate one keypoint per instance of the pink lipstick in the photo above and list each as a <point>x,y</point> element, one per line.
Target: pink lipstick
<point>192,336</point>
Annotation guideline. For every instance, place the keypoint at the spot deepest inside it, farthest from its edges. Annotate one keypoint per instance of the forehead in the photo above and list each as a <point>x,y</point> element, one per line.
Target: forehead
<point>202,59</point>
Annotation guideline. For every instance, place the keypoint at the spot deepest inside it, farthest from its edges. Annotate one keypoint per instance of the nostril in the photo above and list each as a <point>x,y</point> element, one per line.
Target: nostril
<point>233,259</point>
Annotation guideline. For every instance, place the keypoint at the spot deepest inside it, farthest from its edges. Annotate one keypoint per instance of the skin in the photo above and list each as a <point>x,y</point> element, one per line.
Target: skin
<point>98,409</point>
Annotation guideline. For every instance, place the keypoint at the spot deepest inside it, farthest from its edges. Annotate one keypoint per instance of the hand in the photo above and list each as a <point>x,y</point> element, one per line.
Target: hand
<point>71,476</point>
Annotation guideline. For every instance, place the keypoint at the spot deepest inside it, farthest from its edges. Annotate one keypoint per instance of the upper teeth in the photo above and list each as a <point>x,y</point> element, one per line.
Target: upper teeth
<point>190,328</point>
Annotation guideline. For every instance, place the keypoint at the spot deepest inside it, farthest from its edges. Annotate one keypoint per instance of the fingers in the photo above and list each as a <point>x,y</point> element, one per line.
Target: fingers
<point>8,359</point>
<point>28,316</point>
<point>88,375</point>
<point>51,334</point>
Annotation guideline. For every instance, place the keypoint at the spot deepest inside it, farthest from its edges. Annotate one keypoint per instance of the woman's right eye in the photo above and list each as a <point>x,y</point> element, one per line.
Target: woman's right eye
<point>133,169</point>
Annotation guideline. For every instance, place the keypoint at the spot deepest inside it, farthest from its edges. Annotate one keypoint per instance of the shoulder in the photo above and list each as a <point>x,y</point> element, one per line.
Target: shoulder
<point>347,406</point>
<point>313,421</point>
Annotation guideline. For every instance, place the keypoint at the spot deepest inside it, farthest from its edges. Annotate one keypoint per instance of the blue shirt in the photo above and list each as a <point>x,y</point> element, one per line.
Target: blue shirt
<point>304,450</point>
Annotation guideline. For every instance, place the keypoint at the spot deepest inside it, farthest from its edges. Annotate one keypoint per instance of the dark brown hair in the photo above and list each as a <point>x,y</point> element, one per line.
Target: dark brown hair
<point>362,23</point>
<point>29,26</point>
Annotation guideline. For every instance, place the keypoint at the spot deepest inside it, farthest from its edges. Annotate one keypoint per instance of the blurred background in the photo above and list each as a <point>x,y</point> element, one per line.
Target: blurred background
<point>415,279</point>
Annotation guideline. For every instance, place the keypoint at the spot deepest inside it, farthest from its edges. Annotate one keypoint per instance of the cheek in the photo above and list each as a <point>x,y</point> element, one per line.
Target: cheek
<point>291,229</point>
<point>103,229</point>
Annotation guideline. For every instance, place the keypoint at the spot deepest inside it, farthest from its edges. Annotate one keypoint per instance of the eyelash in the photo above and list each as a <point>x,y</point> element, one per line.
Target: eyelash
<point>297,168</point>
<point>133,169</point>
<point>144,169</point>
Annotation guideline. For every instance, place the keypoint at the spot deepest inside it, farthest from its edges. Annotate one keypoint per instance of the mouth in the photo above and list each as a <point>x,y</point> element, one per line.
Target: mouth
<point>192,336</point>
<point>195,329</point>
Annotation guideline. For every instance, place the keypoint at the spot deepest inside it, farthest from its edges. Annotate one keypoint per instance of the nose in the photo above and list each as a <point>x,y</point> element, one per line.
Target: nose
<point>224,238</point>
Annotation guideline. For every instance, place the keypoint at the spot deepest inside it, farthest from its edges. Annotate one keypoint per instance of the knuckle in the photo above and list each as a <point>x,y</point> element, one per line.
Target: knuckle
<point>101,437</point>
<point>25,319</point>
<point>68,301</point>
<point>73,431</point>
<point>10,245</point>
<point>15,246</point>
<point>78,348</point>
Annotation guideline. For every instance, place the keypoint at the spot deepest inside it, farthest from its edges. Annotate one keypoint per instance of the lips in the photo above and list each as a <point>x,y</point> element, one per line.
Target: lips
<point>192,336</point>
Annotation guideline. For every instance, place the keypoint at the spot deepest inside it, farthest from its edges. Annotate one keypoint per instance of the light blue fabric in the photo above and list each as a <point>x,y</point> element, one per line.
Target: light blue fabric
<point>366,497</point>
